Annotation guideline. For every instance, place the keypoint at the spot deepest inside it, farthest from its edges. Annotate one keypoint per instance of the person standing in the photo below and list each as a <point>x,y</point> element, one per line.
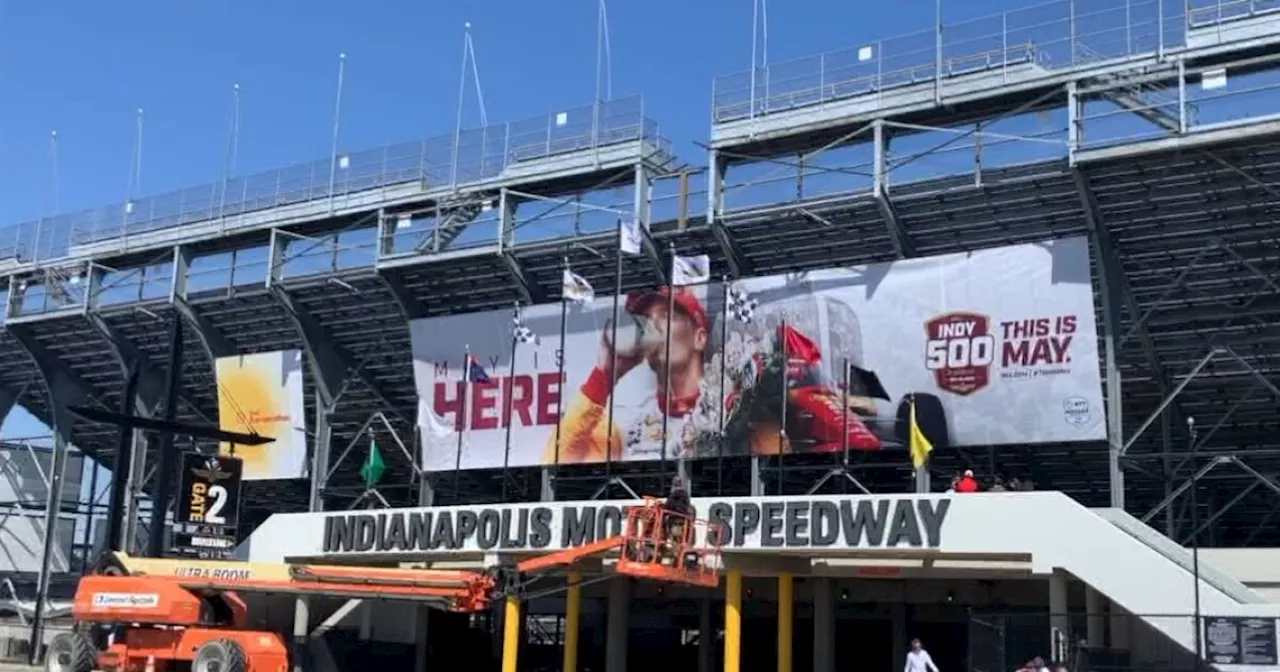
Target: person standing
<point>919,660</point>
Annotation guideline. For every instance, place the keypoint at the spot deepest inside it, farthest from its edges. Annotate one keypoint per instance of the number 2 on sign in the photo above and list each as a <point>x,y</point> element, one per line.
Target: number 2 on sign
<point>218,499</point>
<point>207,503</point>
<point>957,353</point>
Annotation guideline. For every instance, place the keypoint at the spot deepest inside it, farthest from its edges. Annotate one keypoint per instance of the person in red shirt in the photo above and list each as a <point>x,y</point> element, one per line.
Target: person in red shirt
<point>967,483</point>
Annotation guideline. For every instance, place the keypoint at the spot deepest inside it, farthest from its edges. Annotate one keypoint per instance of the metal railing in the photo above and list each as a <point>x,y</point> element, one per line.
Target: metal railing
<point>474,155</point>
<point>1054,35</point>
<point>1214,13</point>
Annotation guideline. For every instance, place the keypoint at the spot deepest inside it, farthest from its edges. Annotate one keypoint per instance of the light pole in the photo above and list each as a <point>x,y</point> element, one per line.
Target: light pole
<point>1195,534</point>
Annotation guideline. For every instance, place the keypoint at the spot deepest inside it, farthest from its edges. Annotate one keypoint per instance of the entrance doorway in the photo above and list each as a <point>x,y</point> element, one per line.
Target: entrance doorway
<point>946,641</point>
<point>864,644</point>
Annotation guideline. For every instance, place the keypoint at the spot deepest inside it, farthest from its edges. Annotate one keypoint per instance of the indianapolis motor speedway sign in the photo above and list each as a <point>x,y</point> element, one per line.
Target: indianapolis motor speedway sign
<point>753,523</point>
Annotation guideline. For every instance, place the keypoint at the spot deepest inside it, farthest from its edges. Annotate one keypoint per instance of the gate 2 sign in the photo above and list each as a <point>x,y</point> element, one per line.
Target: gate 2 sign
<point>210,492</point>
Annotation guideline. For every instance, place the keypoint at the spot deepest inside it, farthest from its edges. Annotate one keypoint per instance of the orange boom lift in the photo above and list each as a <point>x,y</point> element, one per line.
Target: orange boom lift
<point>171,614</point>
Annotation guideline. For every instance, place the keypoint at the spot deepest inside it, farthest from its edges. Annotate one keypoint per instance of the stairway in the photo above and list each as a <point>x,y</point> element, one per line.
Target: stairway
<point>453,220</point>
<point>1148,100</point>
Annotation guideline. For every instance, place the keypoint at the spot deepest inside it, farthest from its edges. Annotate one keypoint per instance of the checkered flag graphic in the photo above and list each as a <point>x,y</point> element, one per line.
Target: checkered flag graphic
<point>521,333</point>
<point>742,306</point>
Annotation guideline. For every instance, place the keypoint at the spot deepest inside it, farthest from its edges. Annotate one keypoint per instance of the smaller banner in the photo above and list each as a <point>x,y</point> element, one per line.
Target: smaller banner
<point>262,394</point>
<point>208,506</point>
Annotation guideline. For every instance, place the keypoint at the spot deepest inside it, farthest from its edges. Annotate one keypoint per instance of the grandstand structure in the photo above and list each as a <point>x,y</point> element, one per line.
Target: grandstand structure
<point>1152,129</point>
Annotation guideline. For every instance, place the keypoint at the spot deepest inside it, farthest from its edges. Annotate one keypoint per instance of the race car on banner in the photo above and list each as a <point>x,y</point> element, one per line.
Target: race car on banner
<point>990,347</point>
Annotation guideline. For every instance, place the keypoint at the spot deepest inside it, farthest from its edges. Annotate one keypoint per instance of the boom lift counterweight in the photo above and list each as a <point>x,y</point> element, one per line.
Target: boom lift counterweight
<point>176,613</point>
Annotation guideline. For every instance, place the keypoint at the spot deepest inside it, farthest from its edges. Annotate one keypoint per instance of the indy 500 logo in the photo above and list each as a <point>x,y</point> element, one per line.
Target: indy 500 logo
<point>959,351</point>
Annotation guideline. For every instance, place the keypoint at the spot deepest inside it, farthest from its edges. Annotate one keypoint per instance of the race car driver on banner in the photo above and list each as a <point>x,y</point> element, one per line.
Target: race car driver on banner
<point>793,328</point>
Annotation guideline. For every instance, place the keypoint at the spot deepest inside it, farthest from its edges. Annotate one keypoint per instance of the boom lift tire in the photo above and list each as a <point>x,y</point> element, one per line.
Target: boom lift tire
<point>70,652</point>
<point>219,655</point>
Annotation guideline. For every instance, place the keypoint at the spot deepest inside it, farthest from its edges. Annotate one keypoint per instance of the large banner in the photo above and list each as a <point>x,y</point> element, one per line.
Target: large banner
<point>995,346</point>
<point>262,393</point>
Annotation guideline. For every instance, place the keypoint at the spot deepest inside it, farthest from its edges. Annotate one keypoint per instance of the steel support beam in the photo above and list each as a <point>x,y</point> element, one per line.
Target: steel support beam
<point>331,366</point>
<point>902,244</point>
<point>320,454</point>
<point>716,170</point>
<point>1109,278</point>
<point>530,291</point>
<point>9,399</point>
<point>211,339</point>
<point>739,264</point>
<point>640,214</point>
<point>65,389</point>
<point>1117,295</point>
<point>150,381</point>
<point>330,363</point>
<point>412,308</point>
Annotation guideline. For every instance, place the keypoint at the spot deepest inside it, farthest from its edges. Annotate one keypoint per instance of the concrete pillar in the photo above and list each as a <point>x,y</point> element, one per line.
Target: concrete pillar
<point>824,625</point>
<point>1095,621</point>
<point>366,621</point>
<point>898,614</point>
<point>1059,621</point>
<point>618,610</point>
<point>301,626</point>
<point>422,638</point>
<point>706,636</point>
<point>1120,621</point>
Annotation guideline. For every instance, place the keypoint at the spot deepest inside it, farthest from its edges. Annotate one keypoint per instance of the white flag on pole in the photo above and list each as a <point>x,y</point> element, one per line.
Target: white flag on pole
<point>690,270</point>
<point>575,288</point>
<point>629,236</point>
<point>434,423</point>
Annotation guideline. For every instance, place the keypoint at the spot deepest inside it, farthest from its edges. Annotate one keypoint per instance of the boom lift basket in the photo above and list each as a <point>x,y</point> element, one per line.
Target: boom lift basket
<point>664,545</point>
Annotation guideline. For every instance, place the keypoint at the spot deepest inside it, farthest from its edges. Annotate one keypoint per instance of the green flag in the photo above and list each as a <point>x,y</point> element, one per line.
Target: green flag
<point>371,470</point>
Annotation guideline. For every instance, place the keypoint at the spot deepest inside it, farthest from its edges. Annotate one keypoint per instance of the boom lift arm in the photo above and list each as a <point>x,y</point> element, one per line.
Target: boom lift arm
<point>180,611</point>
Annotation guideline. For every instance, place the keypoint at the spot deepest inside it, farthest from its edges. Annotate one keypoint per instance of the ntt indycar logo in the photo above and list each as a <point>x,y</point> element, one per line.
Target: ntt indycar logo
<point>962,348</point>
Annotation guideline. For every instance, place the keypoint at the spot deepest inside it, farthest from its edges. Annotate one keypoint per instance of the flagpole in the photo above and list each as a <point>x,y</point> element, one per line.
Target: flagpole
<point>564,329</point>
<point>1195,537</point>
<point>229,162</point>
<point>510,392</point>
<point>782,425</point>
<point>844,405</point>
<point>462,421</point>
<point>337,120</point>
<point>724,367</point>
<point>922,471</point>
<point>666,391</point>
<point>613,364</point>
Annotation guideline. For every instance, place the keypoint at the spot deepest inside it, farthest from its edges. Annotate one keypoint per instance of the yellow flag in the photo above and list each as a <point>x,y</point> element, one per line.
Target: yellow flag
<point>920,446</point>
